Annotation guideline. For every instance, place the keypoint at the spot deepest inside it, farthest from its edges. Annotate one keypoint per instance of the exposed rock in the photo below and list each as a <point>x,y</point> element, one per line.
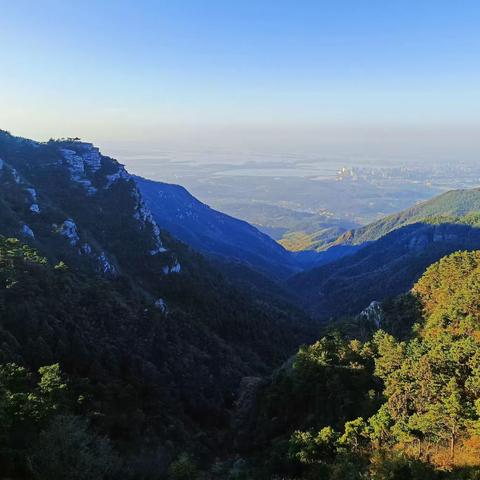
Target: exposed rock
<point>175,268</point>
<point>91,156</point>
<point>69,230</point>
<point>143,214</point>
<point>74,161</point>
<point>76,164</point>
<point>34,208</point>
<point>33,193</point>
<point>27,231</point>
<point>122,174</point>
<point>161,305</point>
<point>86,249</point>
<point>209,231</point>
<point>16,176</point>
<point>105,266</point>
<point>373,313</point>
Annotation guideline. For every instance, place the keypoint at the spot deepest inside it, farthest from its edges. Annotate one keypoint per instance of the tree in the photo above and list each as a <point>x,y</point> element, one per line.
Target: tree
<point>68,450</point>
<point>455,416</point>
<point>308,448</point>
<point>355,436</point>
<point>183,468</point>
<point>380,425</point>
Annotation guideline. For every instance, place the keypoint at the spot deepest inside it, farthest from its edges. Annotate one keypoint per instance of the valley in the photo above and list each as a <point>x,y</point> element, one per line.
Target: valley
<point>138,318</point>
<point>239,240</point>
<point>300,199</point>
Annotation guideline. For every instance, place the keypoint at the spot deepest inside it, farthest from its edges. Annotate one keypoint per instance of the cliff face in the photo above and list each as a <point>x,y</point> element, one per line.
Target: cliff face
<point>213,232</point>
<point>121,302</point>
<point>70,201</point>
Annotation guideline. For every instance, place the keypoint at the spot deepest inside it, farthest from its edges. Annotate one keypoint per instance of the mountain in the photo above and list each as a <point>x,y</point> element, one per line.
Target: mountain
<point>450,207</point>
<point>382,268</point>
<point>124,353</point>
<point>212,232</point>
<point>293,229</point>
<point>315,237</point>
<point>455,203</point>
<point>161,334</point>
<point>383,407</point>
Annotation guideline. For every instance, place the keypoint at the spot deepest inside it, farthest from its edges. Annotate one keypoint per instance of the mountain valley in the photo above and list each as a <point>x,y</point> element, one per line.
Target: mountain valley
<point>163,333</point>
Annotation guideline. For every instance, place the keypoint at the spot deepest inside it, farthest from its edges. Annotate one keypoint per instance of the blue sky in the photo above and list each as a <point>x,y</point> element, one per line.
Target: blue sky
<point>112,69</point>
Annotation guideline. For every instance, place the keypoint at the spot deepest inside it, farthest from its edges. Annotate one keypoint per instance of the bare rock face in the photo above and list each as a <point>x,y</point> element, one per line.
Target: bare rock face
<point>105,266</point>
<point>34,207</point>
<point>210,231</point>
<point>91,156</point>
<point>33,193</point>
<point>175,268</point>
<point>120,174</point>
<point>161,305</point>
<point>144,216</point>
<point>69,230</point>
<point>373,314</point>
<point>27,231</point>
<point>85,159</point>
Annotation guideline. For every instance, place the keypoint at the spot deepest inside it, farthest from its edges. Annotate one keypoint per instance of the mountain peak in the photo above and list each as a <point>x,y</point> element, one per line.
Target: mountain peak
<point>67,189</point>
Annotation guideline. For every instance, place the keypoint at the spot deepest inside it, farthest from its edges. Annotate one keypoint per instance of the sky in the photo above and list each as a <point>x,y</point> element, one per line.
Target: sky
<point>272,74</point>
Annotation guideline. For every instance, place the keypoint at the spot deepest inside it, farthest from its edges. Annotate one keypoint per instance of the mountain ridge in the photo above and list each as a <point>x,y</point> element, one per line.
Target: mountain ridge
<point>212,232</point>
<point>459,202</point>
<point>380,269</point>
<point>115,284</point>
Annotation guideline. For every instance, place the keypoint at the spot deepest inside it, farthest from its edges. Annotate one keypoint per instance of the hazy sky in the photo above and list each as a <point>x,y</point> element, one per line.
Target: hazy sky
<point>230,71</point>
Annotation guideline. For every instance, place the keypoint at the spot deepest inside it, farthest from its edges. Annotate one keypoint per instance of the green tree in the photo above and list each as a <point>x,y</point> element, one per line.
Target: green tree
<point>68,450</point>
<point>183,468</point>
<point>355,436</point>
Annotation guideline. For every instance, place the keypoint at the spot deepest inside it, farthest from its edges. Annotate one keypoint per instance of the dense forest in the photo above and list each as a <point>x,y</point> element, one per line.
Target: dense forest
<point>342,408</point>
<point>152,336</point>
<point>125,354</point>
<point>383,268</point>
<point>387,407</point>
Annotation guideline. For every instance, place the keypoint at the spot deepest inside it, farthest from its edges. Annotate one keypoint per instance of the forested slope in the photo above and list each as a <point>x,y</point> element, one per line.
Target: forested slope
<point>383,408</point>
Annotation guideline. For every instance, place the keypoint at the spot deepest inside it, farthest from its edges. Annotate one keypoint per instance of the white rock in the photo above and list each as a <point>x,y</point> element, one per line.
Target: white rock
<point>16,176</point>
<point>86,249</point>
<point>33,193</point>
<point>76,164</point>
<point>158,249</point>
<point>143,214</point>
<point>374,313</point>
<point>27,231</point>
<point>91,156</point>
<point>87,185</point>
<point>161,305</point>
<point>105,265</point>
<point>34,208</point>
<point>175,268</point>
<point>74,161</point>
<point>122,174</point>
<point>69,230</point>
